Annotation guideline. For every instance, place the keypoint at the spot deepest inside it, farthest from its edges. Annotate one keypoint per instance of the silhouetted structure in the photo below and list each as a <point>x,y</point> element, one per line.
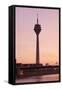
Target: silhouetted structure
<point>37,29</point>
<point>26,70</point>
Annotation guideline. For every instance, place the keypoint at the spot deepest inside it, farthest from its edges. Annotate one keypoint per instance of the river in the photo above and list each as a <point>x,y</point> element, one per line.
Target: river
<point>44,78</point>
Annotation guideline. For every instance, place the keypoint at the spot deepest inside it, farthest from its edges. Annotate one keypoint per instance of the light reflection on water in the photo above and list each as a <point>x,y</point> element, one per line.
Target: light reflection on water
<point>53,77</point>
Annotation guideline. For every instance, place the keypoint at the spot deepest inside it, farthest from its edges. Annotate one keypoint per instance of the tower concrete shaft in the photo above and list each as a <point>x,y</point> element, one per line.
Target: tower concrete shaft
<point>37,49</point>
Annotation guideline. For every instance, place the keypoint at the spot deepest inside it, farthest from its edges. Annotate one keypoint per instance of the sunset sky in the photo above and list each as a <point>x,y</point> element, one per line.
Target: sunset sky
<point>26,18</point>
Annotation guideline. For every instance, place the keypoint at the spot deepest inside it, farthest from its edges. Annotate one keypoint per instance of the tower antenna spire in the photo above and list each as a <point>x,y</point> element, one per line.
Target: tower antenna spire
<point>37,18</point>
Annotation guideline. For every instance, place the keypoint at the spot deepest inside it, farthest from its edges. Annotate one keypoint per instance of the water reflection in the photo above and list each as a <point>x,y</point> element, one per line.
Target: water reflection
<point>44,78</point>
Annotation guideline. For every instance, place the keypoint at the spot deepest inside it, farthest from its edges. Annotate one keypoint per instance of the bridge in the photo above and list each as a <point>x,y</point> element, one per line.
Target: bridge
<point>24,70</point>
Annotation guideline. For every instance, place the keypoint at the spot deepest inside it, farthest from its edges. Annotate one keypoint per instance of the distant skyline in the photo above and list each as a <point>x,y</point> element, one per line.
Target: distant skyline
<point>26,18</point>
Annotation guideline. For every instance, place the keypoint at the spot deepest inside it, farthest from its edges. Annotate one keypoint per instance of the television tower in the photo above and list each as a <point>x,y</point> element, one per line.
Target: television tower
<point>37,29</point>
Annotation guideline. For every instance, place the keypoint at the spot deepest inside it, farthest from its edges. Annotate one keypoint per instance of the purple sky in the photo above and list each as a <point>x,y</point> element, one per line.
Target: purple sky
<point>26,18</point>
